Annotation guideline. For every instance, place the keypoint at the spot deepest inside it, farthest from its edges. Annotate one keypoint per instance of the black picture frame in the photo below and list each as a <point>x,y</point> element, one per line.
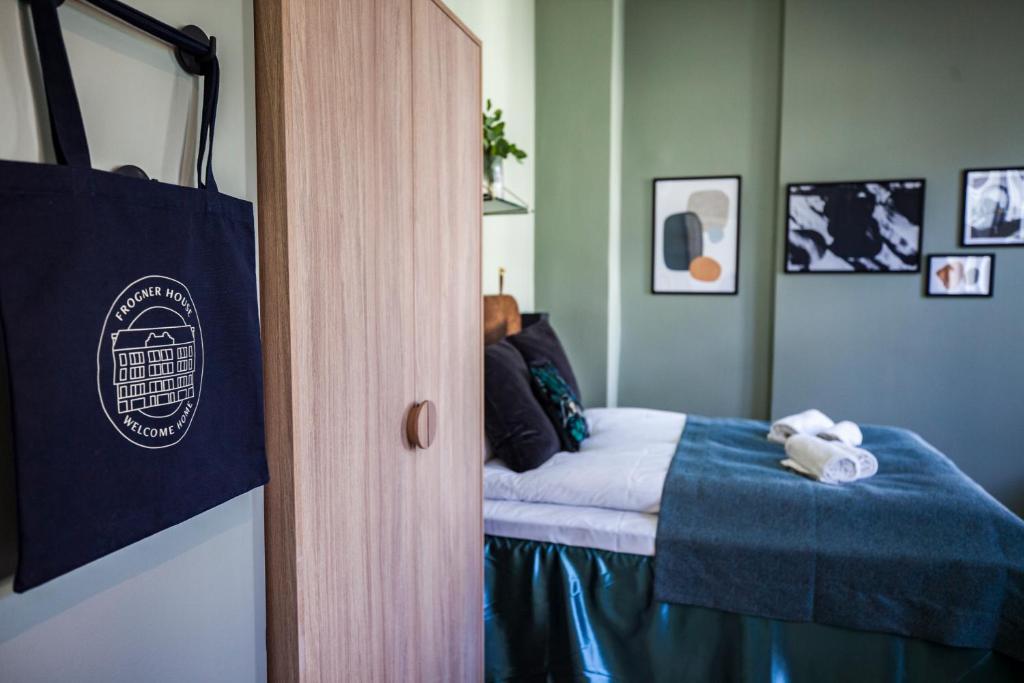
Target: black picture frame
<point>970,295</point>
<point>654,229</point>
<point>838,183</point>
<point>964,175</point>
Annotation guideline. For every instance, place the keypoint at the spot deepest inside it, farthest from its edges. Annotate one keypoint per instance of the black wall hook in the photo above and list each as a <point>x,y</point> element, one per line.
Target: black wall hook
<point>131,171</point>
<point>196,64</point>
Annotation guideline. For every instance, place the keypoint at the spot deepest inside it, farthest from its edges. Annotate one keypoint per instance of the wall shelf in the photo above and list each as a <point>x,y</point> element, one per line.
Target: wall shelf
<point>504,206</point>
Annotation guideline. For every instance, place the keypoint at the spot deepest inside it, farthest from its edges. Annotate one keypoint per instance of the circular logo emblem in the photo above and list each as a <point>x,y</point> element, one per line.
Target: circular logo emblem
<point>149,365</point>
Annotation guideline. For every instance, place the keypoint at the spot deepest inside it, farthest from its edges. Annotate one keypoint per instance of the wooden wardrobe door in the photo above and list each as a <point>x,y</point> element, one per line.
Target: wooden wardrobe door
<point>334,107</point>
<point>369,215</point>
<point>447,163</point>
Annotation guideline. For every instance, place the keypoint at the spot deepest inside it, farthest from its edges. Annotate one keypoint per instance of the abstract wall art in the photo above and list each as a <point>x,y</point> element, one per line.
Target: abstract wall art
<point>960,274</point>
<point>993,207</point>
<point>855,227</point>
<point>696,235</point>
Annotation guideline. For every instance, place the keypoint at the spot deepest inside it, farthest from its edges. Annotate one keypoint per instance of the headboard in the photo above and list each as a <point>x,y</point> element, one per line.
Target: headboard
<point>501,318</point>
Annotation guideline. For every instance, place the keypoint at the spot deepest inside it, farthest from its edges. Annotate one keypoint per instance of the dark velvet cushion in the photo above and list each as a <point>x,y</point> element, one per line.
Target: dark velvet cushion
<point>518,429</point>
<point>538,343</point>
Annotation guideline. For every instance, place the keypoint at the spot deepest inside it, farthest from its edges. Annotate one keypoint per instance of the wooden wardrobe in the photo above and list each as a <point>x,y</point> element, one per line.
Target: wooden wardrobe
<point>369,143</point>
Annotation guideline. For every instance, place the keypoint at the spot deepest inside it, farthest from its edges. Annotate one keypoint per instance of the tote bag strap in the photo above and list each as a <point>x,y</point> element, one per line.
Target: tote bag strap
<point>66,125</point>
<point>211,90</point>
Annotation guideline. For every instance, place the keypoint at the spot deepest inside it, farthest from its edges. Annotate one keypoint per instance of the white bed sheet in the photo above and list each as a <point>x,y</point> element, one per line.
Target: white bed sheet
<point>587,527</point>
<point>606,496</point>
<point>621,467</point>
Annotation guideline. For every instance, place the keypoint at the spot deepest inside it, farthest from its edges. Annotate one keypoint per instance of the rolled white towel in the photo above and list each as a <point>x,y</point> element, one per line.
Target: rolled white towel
<point>826,461</point>
<point>867,463</point>
<point>847,432</point>
<point>808,422</point>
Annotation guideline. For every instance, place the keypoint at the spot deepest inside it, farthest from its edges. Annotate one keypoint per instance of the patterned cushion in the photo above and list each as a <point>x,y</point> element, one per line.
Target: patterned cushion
<point>560,404</point>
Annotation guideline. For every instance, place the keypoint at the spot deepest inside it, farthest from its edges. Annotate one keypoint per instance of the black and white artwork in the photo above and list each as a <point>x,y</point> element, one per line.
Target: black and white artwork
<point>960,274</point>
<point>855,227</point>
<point>993,207</point>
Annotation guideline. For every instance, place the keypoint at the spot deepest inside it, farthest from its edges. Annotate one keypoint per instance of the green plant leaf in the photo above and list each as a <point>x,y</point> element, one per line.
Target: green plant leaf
<point>495,144</point>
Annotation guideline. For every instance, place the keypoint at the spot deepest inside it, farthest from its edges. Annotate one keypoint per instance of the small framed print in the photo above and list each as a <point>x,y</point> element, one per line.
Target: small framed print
<point>696,245</point>
<point>961,274</point>
<point>993,204</point>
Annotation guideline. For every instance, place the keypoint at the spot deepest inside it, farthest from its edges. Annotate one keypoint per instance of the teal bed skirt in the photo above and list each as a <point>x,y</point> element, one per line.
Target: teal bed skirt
<point>563,613</point>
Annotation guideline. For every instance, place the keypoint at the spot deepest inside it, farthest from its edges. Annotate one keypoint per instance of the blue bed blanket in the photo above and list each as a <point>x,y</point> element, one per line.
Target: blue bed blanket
<point>917,550</point>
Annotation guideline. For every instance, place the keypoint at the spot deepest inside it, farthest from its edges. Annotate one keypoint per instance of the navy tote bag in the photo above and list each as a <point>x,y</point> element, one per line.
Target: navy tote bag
<point>131,329</point>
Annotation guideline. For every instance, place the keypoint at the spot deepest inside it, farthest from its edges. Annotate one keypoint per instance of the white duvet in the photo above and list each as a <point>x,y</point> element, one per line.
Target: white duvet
<point>622,466</point>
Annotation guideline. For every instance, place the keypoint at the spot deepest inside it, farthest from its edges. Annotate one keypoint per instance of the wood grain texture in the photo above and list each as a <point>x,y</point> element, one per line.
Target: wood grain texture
<point>279,512</point>
<point>462,27</point>
<point>447,164</point>
<point>374,557</point>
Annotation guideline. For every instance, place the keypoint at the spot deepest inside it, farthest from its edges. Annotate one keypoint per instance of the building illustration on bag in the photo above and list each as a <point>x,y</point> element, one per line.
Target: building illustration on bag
<point>153,367</point>
<point>151,362</point>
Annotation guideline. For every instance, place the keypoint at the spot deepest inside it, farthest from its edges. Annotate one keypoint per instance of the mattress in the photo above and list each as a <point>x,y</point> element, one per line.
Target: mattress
<point>606,496</point>
<point>587,527</point>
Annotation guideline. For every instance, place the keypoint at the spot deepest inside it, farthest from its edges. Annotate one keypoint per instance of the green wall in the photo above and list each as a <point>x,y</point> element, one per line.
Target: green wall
<point>917,88</point>
<point>574,67</point>
<point>781,91</point>
<point>700,98</point>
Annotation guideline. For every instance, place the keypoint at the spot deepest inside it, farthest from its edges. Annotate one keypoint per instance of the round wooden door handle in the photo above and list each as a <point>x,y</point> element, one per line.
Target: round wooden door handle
<point>421,426</point>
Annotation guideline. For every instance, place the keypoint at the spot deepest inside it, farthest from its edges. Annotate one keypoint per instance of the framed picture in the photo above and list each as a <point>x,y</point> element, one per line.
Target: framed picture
<point>993,207</point>
<point>696,246</point>
<point>855,227</point>
<point>960,274</point>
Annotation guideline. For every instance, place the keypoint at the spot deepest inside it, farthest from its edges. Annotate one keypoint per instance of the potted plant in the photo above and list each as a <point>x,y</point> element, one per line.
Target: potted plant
<point>497,148</point>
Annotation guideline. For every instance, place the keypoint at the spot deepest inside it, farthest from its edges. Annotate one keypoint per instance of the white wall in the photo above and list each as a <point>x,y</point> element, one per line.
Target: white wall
<point>506,29</point>
<point>188,603</point>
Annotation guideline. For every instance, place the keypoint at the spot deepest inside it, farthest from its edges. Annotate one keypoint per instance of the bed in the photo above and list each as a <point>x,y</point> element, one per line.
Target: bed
<point>570,580</point>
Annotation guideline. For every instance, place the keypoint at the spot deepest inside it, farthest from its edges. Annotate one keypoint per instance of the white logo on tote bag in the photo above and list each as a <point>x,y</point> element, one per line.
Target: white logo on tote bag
<point>150,361</point>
